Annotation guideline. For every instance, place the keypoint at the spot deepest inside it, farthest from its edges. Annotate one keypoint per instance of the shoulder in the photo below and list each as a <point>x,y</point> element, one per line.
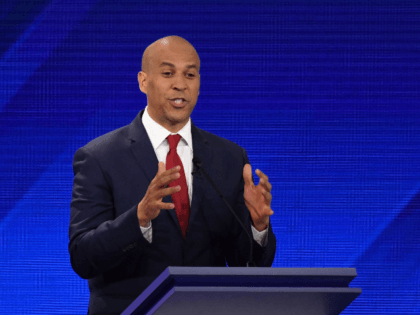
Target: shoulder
<point>112,141</point>
<point>215,139</point>
<point>118,140</point>
<point>221,145</point>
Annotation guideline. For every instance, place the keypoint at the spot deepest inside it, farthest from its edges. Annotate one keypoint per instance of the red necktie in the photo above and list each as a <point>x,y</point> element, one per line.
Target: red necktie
<point>180,198</point>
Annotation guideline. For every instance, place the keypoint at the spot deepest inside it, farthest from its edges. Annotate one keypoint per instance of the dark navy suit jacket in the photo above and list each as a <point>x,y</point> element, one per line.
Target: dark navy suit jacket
<point>111,176</point>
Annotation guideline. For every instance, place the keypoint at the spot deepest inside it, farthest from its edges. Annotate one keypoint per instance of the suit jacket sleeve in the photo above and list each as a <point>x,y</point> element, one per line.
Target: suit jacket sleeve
<point>99,241</point>
<point>238,251</point>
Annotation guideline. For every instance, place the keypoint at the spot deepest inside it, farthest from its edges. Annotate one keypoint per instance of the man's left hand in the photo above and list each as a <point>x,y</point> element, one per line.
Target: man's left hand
<point>257,198</point>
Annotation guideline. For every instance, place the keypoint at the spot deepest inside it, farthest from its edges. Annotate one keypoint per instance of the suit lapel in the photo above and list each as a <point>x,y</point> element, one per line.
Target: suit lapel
<point>202,150</point>
<point>142,148</point>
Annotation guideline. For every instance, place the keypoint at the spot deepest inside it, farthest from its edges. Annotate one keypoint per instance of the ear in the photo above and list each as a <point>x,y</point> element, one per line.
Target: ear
<point>142,78</point>
<point>199,83</point>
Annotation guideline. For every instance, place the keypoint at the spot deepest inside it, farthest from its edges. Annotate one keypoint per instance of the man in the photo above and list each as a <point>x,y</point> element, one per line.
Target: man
<point>136,206</point>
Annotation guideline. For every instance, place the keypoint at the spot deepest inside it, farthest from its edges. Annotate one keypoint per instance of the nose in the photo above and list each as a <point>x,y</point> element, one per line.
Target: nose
<point>179,83</point>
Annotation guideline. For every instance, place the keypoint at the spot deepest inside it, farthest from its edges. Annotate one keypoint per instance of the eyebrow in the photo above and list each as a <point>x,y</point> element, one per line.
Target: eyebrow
<point>173,66</point>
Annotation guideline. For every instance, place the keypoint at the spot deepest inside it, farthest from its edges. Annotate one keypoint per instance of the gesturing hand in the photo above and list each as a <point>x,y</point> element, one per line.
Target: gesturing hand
<point>151,204</point>
<point>257,198</point>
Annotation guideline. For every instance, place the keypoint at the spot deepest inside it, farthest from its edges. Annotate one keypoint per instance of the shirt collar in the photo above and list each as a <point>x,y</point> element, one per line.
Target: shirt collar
<point>157,133</point>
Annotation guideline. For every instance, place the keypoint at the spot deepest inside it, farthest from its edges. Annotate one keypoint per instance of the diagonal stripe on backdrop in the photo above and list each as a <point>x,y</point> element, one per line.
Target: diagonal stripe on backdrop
<point>36,44</point>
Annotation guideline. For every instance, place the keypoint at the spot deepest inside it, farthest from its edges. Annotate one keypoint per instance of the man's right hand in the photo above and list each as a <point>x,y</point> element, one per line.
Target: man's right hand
<point>151,204</point>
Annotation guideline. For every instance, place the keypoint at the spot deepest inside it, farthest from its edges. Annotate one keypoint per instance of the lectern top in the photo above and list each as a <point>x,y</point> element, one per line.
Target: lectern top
<point>260,276</point>
<point>321,289</point>
<point>262,271</point>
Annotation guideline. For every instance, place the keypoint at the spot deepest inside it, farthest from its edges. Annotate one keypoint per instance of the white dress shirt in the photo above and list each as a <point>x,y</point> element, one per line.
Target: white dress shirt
<point>157,135</point>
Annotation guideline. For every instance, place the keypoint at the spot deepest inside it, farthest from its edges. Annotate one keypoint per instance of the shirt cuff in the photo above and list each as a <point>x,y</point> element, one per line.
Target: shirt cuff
<point>147,232</point>
<point>260,237</point>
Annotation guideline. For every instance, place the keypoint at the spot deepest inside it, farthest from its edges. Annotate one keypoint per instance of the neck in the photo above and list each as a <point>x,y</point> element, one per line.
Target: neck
<point>172,127</point>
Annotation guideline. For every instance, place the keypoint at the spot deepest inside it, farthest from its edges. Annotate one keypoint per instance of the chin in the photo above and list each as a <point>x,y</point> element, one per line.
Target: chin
<point>179,119</point>
<point>180,113</point>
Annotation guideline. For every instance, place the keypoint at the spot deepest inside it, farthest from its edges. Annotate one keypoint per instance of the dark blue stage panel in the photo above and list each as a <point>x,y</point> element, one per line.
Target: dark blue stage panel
<point>323,95</point>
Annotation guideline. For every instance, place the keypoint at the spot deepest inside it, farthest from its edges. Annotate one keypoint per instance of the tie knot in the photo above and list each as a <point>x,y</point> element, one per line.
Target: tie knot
<point>173,141</point>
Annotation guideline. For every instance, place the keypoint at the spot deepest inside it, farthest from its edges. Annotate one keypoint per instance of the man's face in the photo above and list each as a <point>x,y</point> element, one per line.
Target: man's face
<point>172,84</point>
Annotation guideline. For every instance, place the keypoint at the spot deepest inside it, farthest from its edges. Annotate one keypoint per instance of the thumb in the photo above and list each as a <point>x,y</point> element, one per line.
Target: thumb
<point>248,175</point>
<point>161,168</point>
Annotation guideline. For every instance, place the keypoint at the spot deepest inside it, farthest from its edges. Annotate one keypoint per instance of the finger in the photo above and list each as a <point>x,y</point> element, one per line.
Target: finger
<point>161,168</point>
<point>268,211</point>
<point>172,170</point>
<point>165,206</point>
<point>168,191</point>
<point>162,171</point>
<point>163,179</point>
<point>247,173</point>
<point>267,186</point>
<point>261,174</point>
<point>166,180</point>
<point>267,195</point>
<point>263,180</point>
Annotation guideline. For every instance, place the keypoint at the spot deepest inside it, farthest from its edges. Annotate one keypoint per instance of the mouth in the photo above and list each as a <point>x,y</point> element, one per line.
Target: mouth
<point>178,102</point>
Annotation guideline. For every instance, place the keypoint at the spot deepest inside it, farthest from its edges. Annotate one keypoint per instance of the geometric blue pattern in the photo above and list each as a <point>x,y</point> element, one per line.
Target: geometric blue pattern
<point>323,95</point>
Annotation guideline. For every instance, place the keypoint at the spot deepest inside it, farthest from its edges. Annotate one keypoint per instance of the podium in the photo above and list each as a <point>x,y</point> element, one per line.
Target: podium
<point>240,290</point>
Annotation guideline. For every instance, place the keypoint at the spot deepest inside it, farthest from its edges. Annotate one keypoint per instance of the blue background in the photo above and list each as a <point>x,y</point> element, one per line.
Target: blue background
<point>324,95</point>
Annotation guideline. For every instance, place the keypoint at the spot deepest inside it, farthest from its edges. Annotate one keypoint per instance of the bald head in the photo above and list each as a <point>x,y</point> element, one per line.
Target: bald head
<point>154,50</point>
<point>170,78</point>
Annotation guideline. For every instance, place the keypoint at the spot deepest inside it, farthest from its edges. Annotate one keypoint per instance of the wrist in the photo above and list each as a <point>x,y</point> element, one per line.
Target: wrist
<point>144,222</point>
<point>261,226</point>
